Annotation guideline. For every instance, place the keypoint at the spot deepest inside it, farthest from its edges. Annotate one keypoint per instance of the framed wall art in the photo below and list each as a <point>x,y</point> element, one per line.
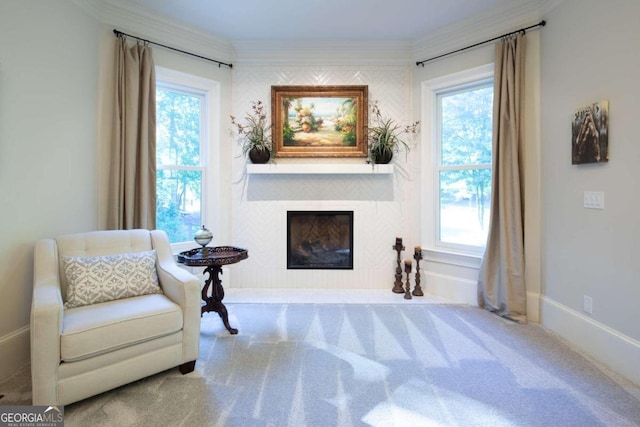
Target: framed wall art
<point>590,134</point>
<point>319,121</point>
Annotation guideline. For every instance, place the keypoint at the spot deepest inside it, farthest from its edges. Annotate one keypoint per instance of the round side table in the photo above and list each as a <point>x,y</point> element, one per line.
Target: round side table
<point>213,258</point>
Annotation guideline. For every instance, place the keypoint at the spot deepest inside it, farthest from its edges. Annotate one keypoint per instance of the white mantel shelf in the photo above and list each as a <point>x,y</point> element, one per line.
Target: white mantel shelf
<point>319,169</point>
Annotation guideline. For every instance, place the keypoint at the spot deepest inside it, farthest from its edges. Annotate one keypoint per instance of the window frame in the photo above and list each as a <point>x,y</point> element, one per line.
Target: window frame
<point>431,91</point>
<point>209,90</point>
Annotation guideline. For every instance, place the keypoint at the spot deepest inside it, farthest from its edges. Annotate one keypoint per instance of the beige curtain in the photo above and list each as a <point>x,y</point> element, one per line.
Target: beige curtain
<point>501,286</point>
<point>132,181</point>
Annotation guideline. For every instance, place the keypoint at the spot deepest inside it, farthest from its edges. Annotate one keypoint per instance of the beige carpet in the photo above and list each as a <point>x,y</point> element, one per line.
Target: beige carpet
<point>358,365</point>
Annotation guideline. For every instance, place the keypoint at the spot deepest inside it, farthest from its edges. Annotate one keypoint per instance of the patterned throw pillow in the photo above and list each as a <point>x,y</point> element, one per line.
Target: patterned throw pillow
<point>91,280</point>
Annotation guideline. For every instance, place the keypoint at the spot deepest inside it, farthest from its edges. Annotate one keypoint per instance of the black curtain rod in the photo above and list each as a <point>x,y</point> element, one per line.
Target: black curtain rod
<point>522,30</point>
<point>220,63</point>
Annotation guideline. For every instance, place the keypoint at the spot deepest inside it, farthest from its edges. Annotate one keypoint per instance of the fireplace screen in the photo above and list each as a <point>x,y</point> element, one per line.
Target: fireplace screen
<point>321,240</point>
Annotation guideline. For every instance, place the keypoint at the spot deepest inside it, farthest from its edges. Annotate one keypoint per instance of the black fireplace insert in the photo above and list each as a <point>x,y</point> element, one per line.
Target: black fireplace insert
<point>320,240</point>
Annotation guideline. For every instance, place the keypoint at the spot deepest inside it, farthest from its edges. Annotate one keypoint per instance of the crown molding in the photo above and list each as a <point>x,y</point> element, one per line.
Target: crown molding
<point>484,26</point>
<point>132,19</point>
<point>143,23</point>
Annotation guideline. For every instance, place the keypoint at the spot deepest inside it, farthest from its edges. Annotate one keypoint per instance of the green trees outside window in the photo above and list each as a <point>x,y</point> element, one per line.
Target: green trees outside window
<point>180,172</point>
<point>464,169</point>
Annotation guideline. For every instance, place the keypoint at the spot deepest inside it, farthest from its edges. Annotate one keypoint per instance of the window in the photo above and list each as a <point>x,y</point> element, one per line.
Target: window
<point>461,114</point>
<point>182,154</point>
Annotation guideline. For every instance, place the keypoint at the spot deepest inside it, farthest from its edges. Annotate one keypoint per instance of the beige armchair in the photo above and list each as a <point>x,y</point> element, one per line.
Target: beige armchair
<point>81,351</point>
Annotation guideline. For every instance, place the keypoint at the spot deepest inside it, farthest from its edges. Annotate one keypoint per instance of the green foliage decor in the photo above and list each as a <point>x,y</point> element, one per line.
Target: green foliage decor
<point>386,136</point>
<point>256,133</point>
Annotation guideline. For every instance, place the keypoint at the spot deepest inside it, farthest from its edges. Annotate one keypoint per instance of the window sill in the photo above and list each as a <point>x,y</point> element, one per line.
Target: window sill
<point>452,258</point>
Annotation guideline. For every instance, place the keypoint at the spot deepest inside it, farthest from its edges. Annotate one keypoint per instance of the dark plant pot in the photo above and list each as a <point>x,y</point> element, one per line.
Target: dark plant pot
<point>257,155</point>
<point>382,157</point>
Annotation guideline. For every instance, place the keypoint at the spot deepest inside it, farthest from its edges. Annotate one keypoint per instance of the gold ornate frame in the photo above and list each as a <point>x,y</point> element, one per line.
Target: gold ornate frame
<point>319,121</point>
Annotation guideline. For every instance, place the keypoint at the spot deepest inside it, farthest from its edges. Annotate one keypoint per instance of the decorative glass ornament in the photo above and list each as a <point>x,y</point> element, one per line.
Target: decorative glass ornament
<point>203,236</point>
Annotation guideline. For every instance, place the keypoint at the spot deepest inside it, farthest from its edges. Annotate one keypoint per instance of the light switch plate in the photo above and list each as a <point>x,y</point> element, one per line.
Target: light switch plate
<point>594,199</point>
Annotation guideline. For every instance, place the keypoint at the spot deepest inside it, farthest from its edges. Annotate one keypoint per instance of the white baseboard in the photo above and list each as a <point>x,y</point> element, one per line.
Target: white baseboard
<point>465,291</point>
<point>616,351</point>
<point>14,351</point>
<point>456,289</point>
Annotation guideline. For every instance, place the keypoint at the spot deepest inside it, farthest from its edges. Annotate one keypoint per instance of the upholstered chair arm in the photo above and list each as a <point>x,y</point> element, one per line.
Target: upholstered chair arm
<point>181,287</point>
<point>46,323</point>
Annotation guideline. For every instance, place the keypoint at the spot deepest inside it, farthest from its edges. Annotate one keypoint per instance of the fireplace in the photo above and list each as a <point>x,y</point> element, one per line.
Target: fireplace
<point>320,240</point>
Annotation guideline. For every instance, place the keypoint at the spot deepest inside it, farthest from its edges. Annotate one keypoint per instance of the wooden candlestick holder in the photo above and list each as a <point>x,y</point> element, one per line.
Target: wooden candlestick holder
<point>417,291</point>
<point>397,285</point>
<point>407,269</point>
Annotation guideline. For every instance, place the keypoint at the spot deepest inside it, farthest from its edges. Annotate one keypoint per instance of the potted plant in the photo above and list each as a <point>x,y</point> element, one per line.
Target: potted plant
<point>386,136</point>
<point>255,134</point>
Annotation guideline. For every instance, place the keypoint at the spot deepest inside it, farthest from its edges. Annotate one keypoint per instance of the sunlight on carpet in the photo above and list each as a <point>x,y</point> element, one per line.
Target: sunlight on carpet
<point>369,364</point>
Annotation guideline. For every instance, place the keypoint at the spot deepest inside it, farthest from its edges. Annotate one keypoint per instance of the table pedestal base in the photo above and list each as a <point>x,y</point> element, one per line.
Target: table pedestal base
<point>214,302</point>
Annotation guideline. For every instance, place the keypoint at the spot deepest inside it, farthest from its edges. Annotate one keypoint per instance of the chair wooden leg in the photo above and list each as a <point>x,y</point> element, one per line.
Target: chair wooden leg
<point>185,368</point>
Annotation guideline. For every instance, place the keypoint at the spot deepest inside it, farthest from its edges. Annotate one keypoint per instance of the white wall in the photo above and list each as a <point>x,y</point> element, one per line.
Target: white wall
<point>48,99</point>
<point>590,53</point>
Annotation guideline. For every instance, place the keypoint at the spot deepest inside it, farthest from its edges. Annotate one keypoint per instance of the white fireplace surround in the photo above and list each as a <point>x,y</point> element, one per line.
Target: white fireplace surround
<point>382,197</point>
<point>267,264</point>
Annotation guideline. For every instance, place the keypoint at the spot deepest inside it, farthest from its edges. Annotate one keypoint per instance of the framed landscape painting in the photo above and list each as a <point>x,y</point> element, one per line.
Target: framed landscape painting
<point>319,121</point>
